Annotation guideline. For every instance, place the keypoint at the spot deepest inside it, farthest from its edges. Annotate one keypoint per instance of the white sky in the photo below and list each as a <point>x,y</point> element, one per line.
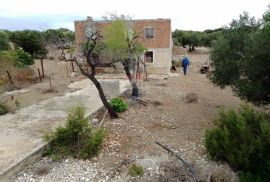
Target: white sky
<point>185,14</point>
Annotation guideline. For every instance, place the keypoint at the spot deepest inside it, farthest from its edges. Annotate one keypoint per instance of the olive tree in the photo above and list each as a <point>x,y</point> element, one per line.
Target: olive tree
<point>241,58</point>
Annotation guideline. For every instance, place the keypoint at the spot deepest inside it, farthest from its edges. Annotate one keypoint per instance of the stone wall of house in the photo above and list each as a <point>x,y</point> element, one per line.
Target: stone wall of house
<point>160,44</point>
<point>161,61</point>
<point>162,32</point>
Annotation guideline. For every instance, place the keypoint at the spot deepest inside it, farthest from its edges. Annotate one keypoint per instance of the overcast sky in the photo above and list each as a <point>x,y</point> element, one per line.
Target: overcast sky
<point>185,14</point>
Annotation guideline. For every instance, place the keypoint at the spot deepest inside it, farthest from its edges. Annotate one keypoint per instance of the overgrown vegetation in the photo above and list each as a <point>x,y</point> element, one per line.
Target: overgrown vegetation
<point>3,109</point>
<point>118,104</point>
<point>243,141</point>
<point>76,138</point>
<point>135,170</point>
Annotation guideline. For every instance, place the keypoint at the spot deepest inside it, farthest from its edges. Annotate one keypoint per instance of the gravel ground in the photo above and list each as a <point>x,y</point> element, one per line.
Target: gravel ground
<point>177,111</point>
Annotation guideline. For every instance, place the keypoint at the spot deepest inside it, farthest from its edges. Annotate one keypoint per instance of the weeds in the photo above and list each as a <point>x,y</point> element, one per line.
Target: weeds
<point>118,104</point>
<point>3,109</point>
<point>135,170</point>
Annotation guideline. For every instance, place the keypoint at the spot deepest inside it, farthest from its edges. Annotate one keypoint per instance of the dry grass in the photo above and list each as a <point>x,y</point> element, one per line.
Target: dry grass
<point>49,90</point>
<point>213,172</point>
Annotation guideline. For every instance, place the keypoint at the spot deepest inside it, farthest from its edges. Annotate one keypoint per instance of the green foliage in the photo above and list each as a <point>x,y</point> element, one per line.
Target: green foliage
<point>23,57</point>
<point>121,40</point>
<point>118,104</point>
<point>241,58</point>
<point>61,35</point>
<point>135,170</point>
<point>243,140</point>
<point>93,144</point>
<point>116,35</point>
<point>18,57</point>
<point>30,41</point>
<point>3,109</point>
<point>195,38</point>
<point>4,41</point>
<point>76,138</point>
<point>208,38</point>
<point>226,69</point>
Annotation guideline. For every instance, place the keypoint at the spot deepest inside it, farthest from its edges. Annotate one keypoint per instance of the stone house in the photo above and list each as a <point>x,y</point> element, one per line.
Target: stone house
<point>154,34</point>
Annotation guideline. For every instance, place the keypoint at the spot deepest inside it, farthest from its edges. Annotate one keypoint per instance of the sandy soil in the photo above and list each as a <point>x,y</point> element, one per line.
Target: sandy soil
<point>169,116</point>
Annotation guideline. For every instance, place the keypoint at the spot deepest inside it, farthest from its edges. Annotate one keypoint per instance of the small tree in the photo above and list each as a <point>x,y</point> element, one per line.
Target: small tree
<point>92,55</point>
<point>76,138</point>
<point>123,46</point>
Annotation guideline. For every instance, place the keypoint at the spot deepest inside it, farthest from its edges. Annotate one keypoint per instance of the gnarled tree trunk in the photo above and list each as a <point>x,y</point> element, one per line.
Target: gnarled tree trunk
<point>112,113</point>
<point>135,89</point>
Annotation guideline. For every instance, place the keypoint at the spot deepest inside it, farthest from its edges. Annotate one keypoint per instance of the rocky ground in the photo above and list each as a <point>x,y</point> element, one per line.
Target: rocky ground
<point>175,111</point>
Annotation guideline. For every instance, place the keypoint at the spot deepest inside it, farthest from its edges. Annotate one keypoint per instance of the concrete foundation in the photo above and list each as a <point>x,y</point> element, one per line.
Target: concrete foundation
<point>21,133</point>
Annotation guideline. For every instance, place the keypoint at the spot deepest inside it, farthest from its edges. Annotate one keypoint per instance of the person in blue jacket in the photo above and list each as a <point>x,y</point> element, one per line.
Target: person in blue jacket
<point>185,64</point>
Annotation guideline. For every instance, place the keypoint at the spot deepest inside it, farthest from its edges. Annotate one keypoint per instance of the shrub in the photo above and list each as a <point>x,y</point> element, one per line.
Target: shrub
<point>76,138</point>
<point>3,109</point>
<point>118,104</point>
<point>18,57</point>
<point>135,170</point>
<point>243,140</point>
<point>24,57</point>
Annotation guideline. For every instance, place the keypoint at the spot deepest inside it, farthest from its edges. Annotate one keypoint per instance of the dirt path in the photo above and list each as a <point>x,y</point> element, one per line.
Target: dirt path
<point>169,118</point>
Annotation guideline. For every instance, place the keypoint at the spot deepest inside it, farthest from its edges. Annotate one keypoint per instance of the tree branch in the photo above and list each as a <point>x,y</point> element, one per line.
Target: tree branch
<point>191,170</point>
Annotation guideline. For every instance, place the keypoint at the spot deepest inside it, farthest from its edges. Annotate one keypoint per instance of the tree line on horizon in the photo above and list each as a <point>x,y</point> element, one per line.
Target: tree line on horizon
<point>20,48</point>
<point>192,39</point>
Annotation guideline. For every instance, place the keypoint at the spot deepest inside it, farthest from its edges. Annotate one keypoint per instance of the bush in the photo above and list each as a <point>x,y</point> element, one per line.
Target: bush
<point>18,57</point>
<point>3,109</point>
<point>76,138</point>
<point>243,140</point>
<point>24,57</point>
<point>118,104</point>
<point>135,170</point>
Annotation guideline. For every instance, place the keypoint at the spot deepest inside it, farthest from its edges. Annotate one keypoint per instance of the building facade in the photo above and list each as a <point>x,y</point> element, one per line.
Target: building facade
<point>154,34</point>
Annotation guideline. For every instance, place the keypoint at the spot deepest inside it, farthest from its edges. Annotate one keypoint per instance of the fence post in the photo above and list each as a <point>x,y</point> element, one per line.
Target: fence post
<point>9,77</point>
<point>39,75</point>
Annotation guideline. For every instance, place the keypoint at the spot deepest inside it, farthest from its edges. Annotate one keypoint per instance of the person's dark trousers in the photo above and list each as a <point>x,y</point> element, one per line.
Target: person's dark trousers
<point>185,70</point>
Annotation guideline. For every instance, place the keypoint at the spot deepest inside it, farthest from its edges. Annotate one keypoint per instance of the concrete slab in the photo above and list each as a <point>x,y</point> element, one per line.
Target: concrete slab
<point>21,132</point>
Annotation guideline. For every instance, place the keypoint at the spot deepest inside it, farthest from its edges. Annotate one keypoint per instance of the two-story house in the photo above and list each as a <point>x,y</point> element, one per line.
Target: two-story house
<point>154,34</point>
